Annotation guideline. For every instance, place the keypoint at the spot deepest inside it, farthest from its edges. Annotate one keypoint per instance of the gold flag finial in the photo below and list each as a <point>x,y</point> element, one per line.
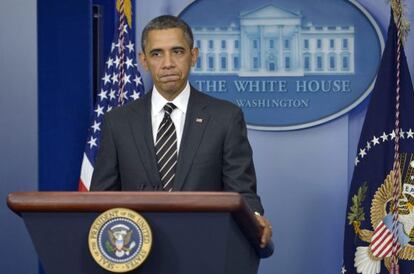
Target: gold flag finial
<point>398,9</point>
<point>127,10</point>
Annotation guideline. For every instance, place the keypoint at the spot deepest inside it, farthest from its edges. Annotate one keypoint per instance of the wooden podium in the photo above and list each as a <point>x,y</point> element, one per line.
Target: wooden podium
<point>193,232</point>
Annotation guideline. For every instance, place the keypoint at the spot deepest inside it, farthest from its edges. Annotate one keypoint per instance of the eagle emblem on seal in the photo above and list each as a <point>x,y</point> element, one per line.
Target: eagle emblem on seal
<point>120,240</point>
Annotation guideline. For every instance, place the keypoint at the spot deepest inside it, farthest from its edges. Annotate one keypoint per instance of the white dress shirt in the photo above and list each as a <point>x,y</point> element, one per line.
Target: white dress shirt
<point>177,116</point>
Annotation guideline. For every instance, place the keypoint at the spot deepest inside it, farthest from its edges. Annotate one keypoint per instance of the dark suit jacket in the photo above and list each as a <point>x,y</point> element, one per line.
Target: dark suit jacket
<point>214,154</point>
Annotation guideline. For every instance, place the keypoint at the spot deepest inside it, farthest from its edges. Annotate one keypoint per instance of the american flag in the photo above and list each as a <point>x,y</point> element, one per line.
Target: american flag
<point>120,84</point>
<point>381,242</point>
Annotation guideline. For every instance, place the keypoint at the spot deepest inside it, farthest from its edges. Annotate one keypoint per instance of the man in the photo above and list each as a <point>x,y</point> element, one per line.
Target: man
<point>176,138</point>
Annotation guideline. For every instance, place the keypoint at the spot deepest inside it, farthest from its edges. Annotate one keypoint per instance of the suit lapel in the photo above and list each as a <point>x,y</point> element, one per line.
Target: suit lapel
<point>140,122</point>
<point>195,123</point>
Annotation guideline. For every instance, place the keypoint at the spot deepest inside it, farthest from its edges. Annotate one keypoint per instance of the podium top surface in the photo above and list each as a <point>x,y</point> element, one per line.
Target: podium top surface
<point>226,202</point>
<point>142,201</point>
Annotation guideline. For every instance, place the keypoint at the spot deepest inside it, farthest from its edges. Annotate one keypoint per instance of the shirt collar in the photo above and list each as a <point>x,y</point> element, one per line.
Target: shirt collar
<point>181,101</point>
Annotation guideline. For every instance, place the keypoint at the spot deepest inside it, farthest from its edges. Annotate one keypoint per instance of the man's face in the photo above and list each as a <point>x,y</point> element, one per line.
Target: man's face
<point>168,57</point>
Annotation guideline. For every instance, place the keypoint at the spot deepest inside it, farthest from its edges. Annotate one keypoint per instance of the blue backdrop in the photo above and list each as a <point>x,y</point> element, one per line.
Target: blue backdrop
<point>45,50</point>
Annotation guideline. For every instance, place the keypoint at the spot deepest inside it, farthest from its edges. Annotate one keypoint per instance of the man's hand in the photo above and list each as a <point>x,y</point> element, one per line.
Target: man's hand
<point>266,230</point>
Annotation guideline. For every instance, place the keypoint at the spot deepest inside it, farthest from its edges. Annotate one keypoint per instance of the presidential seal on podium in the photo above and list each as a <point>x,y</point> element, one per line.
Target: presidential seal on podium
<point>120,240</point>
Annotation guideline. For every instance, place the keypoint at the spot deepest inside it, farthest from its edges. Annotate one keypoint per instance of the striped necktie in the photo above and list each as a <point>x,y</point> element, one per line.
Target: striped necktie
<point>166,148</point>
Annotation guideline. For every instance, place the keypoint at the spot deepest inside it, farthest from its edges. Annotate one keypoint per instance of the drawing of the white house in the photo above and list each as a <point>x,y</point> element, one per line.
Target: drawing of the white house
<point>269,41</point>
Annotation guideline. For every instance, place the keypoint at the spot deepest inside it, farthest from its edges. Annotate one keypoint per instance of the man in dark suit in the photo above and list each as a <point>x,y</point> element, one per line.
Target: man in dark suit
<point>176,138</point>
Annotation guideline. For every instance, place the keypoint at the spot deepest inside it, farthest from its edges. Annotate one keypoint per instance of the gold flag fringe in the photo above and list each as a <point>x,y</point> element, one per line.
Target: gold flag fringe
<point>127,10</point>
<point>398,8</point>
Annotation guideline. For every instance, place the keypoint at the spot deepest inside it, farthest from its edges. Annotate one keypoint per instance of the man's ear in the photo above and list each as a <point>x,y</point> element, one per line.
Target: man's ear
<point>143,60</point>
<point>194,56</point>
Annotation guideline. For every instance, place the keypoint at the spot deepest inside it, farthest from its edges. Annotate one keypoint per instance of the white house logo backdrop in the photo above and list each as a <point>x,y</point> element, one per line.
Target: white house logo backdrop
<point>288,64</point>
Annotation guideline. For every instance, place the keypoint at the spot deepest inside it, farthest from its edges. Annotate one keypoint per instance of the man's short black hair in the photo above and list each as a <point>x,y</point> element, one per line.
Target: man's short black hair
<point>167,22</point>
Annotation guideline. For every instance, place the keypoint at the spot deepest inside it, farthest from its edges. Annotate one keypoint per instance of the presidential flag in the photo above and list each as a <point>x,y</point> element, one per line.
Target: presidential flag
<point>379,232</point>
<point>120,83</point>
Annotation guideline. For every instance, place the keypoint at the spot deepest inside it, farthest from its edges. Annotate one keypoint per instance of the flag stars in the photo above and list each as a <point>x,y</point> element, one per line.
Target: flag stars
<point>113,46</point>
<point>96,126</point>
<point>92,142</point>
<point>384,137</point>
<point>124,28</point>
<point>362,153</point>
<point>343,270</point>
<point>392,135</point>
<point>410,134</point>
<point>375,141</point>
<point>110,62</point>
<point>109,108</point>
<point>112,94</point>
<point>99,110</point>
<point>117,61</point>
<point>114,78</point>
<point>130,46</point>
<point>368,146</point>
<point>106,78</point>
<point>135,95</point>
<point>124,95</point>
<point>128,63</point>
<point>102,94</point>
<point>126,79</point>
<point>137,80</point>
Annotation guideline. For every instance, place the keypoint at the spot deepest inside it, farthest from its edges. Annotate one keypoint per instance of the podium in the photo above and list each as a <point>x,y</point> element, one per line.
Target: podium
<point>193,232</point>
